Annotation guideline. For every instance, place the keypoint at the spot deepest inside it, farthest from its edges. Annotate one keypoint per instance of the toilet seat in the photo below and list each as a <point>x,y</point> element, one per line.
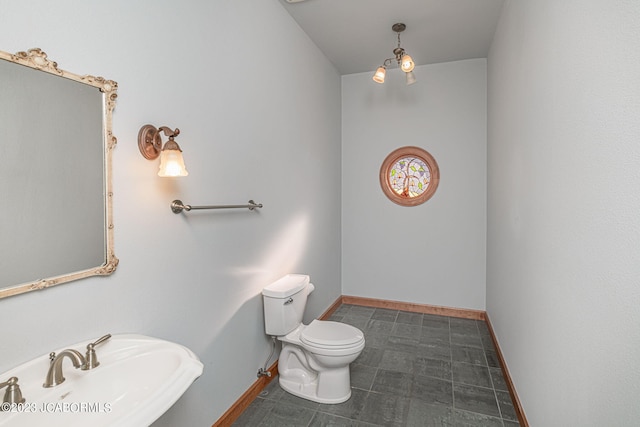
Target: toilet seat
<point>330,335</point>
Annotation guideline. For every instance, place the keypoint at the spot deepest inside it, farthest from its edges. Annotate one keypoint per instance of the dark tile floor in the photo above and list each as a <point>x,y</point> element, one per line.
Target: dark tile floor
<point>415,370</point>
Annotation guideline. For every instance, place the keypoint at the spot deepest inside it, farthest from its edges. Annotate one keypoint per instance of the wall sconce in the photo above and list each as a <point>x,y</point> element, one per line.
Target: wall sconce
<point>150,145</point>
<point>405,62</point>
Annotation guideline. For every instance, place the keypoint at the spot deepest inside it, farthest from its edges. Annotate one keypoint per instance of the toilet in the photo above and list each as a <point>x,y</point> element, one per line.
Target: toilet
<point>314,361</point>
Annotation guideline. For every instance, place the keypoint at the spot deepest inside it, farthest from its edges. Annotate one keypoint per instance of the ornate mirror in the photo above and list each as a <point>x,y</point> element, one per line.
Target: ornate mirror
<point>56,145</point>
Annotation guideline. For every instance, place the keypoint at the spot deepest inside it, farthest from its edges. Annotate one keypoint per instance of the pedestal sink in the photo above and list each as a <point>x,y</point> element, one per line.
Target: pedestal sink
<point>138,379</point>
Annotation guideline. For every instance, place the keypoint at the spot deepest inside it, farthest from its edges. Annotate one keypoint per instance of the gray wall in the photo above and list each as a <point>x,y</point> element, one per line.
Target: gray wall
<point>564,231</point>
<point>258,107</point>
<point>433,253</point>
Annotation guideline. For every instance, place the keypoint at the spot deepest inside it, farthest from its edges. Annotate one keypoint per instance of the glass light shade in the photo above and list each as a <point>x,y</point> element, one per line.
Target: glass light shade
<point>378,77</point>
<point>411,78</point>
<point>407,64</point>
<point>171,161</point>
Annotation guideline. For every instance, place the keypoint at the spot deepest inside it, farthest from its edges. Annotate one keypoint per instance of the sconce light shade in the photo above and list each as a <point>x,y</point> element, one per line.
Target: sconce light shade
<point>378,77</point>
<point>171,161</point>
<point>150,145</point>
<point>411,78</point>
<point>407,64</point>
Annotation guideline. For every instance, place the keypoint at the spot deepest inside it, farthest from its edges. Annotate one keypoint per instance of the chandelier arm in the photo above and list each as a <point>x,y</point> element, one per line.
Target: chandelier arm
<point>388,61</point>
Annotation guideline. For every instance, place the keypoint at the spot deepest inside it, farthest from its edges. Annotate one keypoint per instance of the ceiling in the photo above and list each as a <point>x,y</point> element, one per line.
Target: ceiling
<point>356,35</point>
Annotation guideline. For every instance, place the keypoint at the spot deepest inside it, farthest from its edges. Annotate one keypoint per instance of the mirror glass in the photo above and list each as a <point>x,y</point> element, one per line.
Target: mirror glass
<point>55,174</point>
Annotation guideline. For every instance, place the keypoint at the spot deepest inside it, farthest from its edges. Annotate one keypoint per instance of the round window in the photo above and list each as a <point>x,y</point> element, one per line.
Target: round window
<point>409,176</point>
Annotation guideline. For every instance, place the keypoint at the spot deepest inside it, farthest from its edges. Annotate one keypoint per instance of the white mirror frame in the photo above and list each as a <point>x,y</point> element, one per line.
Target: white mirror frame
<point>37,59</point>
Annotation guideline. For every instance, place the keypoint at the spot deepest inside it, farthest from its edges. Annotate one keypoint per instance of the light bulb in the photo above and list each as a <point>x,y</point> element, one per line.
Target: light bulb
<point>407,64</point>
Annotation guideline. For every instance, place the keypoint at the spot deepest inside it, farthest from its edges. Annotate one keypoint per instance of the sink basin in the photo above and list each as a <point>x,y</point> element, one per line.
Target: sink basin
<point>138,380</point>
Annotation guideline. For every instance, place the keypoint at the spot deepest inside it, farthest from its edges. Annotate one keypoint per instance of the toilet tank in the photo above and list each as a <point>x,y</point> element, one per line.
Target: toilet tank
<point>284,303</point>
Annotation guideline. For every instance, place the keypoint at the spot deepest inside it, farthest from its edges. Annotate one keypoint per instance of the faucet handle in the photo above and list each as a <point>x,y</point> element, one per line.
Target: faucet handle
<point>99,341</point>
<point>91,360</point>
<point>13,393</point>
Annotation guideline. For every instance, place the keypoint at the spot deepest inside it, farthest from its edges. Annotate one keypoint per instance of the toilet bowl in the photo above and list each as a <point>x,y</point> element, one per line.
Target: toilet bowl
<point>318,369</point>
<point>314,361</point>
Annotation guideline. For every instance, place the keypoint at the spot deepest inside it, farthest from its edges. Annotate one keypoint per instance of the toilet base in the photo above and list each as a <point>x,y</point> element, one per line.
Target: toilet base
<point>309,391</point>
<point>300,375</point>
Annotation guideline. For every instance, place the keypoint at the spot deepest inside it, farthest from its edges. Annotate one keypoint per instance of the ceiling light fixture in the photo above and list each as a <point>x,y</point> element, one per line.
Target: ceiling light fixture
<point>405,62</point>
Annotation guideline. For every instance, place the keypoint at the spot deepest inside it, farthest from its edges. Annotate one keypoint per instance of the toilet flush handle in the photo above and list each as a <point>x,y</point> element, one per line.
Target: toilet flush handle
<point>289,301</point>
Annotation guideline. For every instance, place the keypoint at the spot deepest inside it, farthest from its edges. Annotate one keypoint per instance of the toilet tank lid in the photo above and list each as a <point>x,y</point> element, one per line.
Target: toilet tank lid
<point>286,286</point>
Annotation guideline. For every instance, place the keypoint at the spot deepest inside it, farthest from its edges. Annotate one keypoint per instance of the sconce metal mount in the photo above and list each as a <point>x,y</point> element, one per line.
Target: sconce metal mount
<point>150,141</point>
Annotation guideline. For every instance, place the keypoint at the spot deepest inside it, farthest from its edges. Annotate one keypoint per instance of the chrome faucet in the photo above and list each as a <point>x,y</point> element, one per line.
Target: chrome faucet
<point>90,361</point>
<point>13,393</point>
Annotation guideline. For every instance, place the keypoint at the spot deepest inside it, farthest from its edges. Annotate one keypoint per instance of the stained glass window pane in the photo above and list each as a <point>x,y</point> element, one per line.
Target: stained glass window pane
<point>409,177</point>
